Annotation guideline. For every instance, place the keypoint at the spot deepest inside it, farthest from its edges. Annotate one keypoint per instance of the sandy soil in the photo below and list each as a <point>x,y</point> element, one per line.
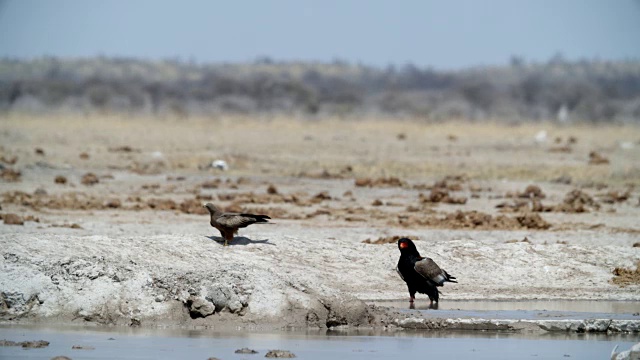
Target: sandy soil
<point>112,229</point>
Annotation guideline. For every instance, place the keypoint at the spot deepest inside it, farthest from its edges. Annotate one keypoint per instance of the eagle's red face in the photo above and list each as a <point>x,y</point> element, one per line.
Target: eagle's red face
<point>404,245</point>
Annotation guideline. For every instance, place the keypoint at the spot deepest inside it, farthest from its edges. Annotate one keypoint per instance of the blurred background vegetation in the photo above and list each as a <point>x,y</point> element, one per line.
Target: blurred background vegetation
<point>557,90</point>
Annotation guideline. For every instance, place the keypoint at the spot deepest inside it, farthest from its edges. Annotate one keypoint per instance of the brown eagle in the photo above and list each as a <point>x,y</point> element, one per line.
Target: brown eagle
<point>228,223</point>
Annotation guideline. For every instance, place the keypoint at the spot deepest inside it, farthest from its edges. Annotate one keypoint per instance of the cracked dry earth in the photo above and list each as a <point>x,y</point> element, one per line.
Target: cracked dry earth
<point>133,245</point>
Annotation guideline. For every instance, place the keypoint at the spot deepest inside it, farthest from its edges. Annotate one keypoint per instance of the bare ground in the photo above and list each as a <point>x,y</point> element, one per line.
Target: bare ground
<point>112,229</point>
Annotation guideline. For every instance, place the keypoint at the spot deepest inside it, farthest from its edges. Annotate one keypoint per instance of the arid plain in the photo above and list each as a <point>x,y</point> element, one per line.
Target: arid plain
<point>103,219</point>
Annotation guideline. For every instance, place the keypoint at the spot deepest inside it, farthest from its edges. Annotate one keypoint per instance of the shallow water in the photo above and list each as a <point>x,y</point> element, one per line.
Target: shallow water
<point>110,343</point>
<point>527,309</point>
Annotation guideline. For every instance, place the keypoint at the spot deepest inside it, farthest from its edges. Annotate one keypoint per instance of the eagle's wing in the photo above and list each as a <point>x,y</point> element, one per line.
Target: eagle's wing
<point>429,270</point>
<point>235,221</point>
<point>399,273</point>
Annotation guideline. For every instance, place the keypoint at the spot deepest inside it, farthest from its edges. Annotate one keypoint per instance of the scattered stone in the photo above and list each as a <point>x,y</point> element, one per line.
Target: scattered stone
<point>12,219</point>
<point>401,136</point>
<point>90,179</point>
<point>40,192</point>
<point>376,202</point>
<point>9,343</point>
<point>39,151</point>
<point>246,351</point>
<point>60,358</point>
<point>280,354</point>
<point>636,245</point>
<point>84,156</point>
<point>60,180</point>
<point>597,159</point>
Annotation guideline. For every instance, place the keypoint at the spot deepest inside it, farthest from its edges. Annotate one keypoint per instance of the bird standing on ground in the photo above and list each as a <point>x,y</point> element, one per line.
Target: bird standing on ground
<point>421,274</point>
<point>229,223</point>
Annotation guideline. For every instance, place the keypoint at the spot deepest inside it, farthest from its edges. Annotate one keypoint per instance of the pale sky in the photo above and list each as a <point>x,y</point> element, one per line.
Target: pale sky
<point>439,33</point>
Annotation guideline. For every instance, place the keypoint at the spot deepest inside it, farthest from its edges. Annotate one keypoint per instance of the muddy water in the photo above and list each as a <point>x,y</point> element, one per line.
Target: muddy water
<point>203,344</point>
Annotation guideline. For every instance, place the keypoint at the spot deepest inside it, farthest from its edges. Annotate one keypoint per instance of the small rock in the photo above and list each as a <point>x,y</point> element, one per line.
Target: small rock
<point>220,165</point>
<point>84,156</point>
<point>60,358</point>
<point>12,219</point>
<point>199,307</point>
<point>246,351</point>
<point>60,180</point>
<point>280,354</point>
<point>40,191</point>
<point>9,343</point>
<point>135,322</point>
<point>89,179</point>
<point>39,151</point>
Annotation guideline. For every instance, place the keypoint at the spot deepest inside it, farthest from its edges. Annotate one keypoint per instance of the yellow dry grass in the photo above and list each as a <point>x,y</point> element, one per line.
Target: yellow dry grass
<point>372,147</point>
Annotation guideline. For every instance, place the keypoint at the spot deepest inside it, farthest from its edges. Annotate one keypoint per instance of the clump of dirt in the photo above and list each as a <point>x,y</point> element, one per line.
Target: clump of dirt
<point>343,173</point>
<point>38,151</point>
<point>441,195</point>
<point>613,197</point>
<point>532,221</point>
<point>478,220</point>
<point>84,156</point>
<point>123,149</point>
<point>9,160</point>
<point>625,277</point>
<point>10,175</point>
<point>60,180</point>
<point>89,179</point>
<point>636,244</point>
<point>211,184</point>
<point>152,167</point>
<point>532,192</point>
<point>380,182</point>
<point>12,219</point>
<point>70,226</point>
<point>385,240</point>
<point>577,201</point>
<point>596,158</point>
<point>560,149</point>
<point>272,189</point>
